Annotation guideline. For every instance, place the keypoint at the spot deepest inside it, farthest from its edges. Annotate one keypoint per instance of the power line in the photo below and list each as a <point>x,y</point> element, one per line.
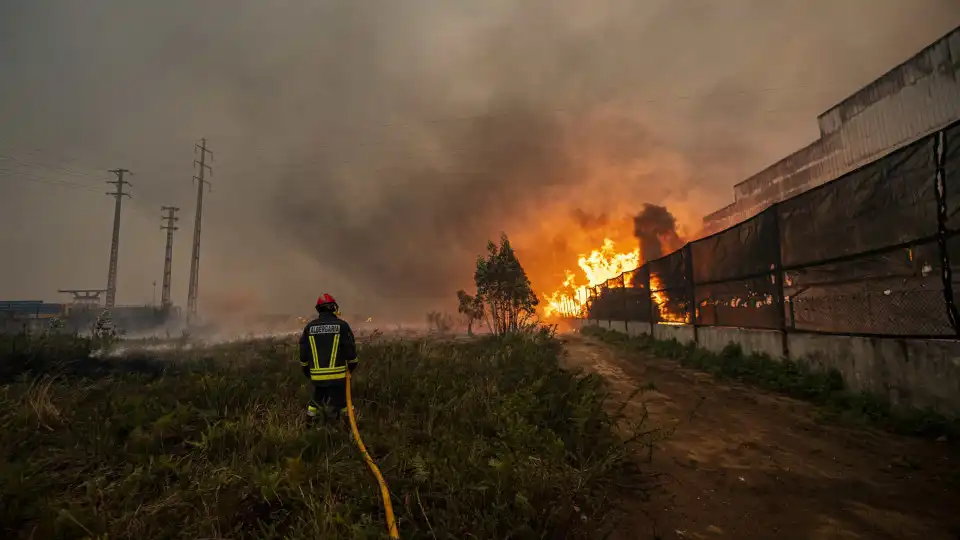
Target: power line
<point>50,181</point>
<point>56,155</point>
<point>66,170</point>
<point>46,179</point>
<point>139,205</point>
<point>115,243</point>
<point>146,205</point>
<point>16,175</point>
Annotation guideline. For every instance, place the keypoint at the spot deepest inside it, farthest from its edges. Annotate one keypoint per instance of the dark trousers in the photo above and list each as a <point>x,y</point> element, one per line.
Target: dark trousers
<point>329,399</point>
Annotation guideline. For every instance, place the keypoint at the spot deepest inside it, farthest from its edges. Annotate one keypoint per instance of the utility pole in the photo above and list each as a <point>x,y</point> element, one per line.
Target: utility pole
<point>195,259</point>
<point>170,218</point>
<point>115,244</point>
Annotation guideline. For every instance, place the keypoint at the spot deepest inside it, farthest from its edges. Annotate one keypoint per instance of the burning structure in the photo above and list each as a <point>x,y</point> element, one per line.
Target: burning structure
<point>909,102</point>
<point>654,232</point>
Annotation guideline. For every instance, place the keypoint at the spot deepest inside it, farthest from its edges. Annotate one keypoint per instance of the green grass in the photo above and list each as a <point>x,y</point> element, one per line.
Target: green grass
<point>825,389</point>
<point>484,439</point>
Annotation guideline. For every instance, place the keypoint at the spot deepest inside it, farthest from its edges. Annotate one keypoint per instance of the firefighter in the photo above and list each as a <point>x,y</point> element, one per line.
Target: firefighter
<point>327,351</point>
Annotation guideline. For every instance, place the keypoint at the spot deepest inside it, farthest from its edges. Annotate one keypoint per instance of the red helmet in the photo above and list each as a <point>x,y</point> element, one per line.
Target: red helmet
<point>327,303</point>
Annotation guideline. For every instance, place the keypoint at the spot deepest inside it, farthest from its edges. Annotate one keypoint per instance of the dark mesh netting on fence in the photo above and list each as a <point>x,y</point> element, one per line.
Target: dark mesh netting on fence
<point>612,304</point>
<point>616,299</point>
<point>623,298</point>
<point>951,170</point>
<point>670,291</point>
<point>599,308</point>
<point>746,303</point>
<point>748,249</point>
<point>591,307</point>
<point>640,278</point>
<point>888,202</point>
<point>613,297</point>
<point>637,304</point>
<point>669,272</point>
<point>604,305</point>
<point>638,295</point>
<point>953,255</point>
<point>898,292</point>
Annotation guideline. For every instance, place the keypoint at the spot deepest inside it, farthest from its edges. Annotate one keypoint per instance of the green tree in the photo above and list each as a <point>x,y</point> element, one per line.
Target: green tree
<point>504,289</point>
<point>471,307</point>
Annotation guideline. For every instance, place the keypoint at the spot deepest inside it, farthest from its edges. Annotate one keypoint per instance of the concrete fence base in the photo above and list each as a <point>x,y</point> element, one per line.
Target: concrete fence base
<point>909,372</point>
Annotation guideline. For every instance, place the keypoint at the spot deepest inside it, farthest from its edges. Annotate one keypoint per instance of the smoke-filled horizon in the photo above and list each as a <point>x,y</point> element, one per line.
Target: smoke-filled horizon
<point>371,150</point>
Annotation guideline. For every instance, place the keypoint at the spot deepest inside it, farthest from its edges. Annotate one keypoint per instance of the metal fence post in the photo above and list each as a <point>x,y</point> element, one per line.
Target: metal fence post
<point>940,191</point>
<point>627,311</point>
<point>778,276</point>
<point>625,306</point>
<point>691,291</point>
<point>643,273</point>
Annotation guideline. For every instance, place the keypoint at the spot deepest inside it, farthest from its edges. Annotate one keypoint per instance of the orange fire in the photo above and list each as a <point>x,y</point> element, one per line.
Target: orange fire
<point>660,302</point>
<point>570,299</point>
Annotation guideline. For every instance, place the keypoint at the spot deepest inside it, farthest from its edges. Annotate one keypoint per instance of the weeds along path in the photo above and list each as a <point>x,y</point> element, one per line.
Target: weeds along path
<point>739,462</point>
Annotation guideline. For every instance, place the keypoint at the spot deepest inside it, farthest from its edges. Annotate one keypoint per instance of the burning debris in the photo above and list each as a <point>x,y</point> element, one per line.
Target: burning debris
<point>655,229</point>
<point>598,266</point>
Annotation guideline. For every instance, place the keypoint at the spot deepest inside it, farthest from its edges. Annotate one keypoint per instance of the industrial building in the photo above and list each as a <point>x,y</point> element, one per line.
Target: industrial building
<point>35,315</point>
<point>912,100</point>
<point>17,315</point>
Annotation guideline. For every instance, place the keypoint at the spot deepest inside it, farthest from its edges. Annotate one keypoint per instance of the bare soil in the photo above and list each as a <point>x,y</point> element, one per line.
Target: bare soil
<point>738,462</point>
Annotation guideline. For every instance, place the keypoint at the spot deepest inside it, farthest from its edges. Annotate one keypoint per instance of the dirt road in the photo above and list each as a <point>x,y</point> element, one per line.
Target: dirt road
<point>744,463</point>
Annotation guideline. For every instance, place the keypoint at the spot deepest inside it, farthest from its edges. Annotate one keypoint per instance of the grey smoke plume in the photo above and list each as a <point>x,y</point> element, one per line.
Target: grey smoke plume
<point>370,149</point>
<point>656,229</point>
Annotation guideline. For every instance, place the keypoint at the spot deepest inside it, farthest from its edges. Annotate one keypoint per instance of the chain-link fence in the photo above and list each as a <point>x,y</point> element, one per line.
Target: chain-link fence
<point>873,252</point>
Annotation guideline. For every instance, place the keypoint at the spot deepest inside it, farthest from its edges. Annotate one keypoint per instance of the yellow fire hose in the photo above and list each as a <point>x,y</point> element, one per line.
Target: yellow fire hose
<point>384,491</point>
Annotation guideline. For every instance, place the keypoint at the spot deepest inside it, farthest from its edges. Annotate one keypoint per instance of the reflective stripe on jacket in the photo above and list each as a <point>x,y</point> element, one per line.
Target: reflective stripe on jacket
<point>327,349</point>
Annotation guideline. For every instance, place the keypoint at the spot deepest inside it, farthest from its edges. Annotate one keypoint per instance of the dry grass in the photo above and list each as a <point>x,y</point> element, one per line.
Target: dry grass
<point>480,439</point>
<point>39,401</point>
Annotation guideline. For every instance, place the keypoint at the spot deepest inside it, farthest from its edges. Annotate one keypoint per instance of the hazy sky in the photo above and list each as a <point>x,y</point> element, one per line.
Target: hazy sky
<point>371,148</point>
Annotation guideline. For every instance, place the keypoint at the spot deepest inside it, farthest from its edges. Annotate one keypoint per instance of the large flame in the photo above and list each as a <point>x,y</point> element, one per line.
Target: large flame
<point>660,299</point>
<point>600,265</point>
<point>597,268</point>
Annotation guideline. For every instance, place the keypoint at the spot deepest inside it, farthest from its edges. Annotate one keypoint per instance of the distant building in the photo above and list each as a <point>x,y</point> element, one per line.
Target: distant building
<point>20,315</point>
<point>910,101</point>
<point>33,315</point>
<point>30,309</point>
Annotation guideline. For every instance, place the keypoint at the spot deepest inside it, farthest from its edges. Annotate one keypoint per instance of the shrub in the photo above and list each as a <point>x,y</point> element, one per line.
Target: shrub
<point>504,292</point>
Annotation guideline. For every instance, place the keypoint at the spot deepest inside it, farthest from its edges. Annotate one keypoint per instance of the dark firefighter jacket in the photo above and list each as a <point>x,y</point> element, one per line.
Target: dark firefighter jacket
<point>327,350</point>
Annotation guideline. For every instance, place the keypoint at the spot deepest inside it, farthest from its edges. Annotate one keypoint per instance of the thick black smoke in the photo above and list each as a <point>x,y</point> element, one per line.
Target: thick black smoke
<point>370,149</point>
<point>588,221</point>
<point>656,229</point>
<point>421,240</point>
